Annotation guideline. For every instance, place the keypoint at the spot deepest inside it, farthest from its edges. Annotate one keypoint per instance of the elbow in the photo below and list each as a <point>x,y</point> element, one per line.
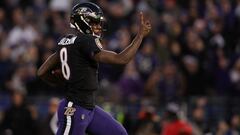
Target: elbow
<point>119,60</point>
<point>123,61</point>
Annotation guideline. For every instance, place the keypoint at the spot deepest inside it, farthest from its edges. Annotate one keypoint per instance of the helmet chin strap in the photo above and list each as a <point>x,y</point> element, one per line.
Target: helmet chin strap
<point>75,26</point>
<point>98,36</point>
<point>72,26</point>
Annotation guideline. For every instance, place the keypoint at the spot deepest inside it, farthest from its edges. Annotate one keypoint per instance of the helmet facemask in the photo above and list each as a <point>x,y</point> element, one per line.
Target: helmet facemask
<point>96,24</point>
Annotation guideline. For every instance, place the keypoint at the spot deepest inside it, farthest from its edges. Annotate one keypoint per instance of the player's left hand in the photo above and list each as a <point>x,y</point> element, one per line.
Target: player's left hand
<point>145,25</point>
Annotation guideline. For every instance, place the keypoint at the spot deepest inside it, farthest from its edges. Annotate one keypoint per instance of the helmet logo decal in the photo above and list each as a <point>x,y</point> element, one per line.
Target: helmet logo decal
<point>88,31</point>
<point>83,9</point>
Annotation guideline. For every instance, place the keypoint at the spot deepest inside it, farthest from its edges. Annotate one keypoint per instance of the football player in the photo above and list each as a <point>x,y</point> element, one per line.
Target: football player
<point>78,53</point>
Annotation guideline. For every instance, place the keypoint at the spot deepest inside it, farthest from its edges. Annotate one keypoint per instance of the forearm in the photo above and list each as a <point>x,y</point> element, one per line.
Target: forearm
<point>50,79</point>
<point>45,71</point>
<point>129,52</point>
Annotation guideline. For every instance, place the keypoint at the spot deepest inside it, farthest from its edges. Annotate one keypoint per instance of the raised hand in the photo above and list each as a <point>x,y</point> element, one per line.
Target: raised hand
<point>145,26</point>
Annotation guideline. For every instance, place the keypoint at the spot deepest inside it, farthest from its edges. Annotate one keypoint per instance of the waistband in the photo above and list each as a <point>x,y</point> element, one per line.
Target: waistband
<point>85,100</point>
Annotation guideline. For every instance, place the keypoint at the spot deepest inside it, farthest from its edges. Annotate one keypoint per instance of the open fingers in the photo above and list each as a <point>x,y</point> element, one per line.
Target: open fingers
<point>145,26</point>
<point>141,17</point>
<point>147,23</point>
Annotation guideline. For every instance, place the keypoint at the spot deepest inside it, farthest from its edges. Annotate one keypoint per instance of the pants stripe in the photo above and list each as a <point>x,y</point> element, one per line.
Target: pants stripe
<point>69,121</point>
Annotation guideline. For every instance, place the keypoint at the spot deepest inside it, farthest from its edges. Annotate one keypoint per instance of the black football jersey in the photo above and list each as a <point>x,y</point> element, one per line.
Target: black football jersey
<point>79,69</point>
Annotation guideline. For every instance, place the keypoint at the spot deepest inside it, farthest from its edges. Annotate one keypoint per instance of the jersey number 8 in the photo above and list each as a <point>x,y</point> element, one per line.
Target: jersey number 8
<point>65,67</point>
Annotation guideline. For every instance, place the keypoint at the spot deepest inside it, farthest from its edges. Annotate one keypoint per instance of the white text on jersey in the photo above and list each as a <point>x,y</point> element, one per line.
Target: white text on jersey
<point>67,41</point>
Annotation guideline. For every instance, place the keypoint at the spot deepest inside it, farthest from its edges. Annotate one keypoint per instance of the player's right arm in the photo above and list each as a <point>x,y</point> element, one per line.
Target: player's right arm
<point>45,71</point>
<point>129,52</point>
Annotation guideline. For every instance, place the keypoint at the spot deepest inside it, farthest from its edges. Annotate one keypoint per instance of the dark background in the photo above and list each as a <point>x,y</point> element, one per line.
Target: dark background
<point>191,57</point>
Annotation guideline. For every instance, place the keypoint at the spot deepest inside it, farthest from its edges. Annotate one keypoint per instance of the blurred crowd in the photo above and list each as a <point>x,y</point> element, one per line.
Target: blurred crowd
<point>184,78</point>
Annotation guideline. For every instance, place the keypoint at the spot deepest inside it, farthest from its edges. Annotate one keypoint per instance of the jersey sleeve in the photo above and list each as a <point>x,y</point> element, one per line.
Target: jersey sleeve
<point>90,45</point>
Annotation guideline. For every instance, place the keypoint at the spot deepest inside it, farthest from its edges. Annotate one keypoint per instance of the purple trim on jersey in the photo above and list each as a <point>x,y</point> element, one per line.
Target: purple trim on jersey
<point>95,122</point>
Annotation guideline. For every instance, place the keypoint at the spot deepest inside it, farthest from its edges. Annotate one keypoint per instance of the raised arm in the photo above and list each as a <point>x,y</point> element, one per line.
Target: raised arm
<point>44,72</point>
<point>128,53</point>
